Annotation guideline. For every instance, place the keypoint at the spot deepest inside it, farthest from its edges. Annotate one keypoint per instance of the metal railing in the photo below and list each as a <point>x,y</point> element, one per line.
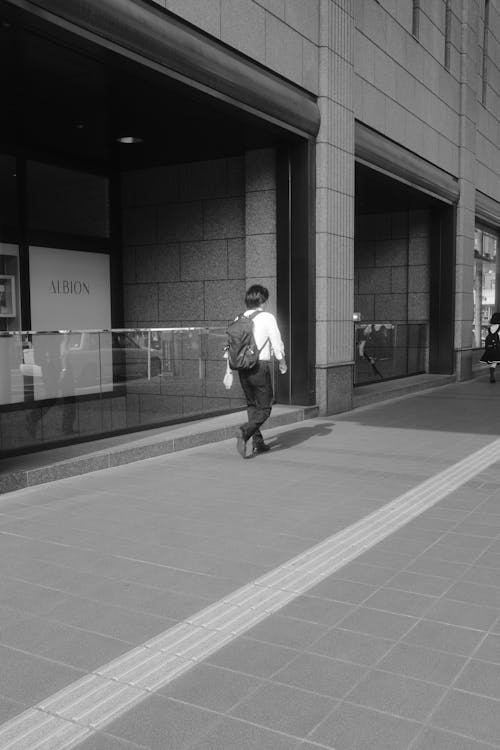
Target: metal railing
<point>65,385</point>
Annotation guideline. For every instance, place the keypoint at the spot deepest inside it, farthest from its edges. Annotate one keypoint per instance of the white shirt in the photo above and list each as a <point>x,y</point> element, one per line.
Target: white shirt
<point>265,327</point>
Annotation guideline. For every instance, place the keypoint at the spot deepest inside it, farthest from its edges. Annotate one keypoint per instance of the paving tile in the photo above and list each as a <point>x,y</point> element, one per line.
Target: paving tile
<point>489,559</point>
<point>350,646</point>
<point>475,593</point>
<point>463,614</point>
<point>374,622</point>
<point>486,518</point>
<point>339,590</point>
<point>314,609</point>
<point>394,560</point>
<point>102,741</point>
<point>33,634</point>
<point>162,724</point>
<point>84,650</point>
<point>27,679</point>
<point>36,600</point>
<point>116,622</point>
<point>355,571</point>
<point>286,631</point>
<point>453,553</point>
<point>175,605</point>
<point>478,574</point>
<point>495,546</point>
<point>211,687</point>
<point>471,715</point>
<point>320,675</point>
<point>352,727</point>
<point>480,677</point>
<point>231,733</point>
<point>285,709</point>
<point>252,657</point>
<point>403,545</point>
<point>466,541</point>
<point>9,709</point>
<point>489,650</point>
<point>11,617</point>
<point>400,602</point>
<point>414,534</point>
<point>435,520</point>
<point>422,663</point>
<point>437,567</point>
<point>450,638</point>
<point>435,739</point>
<point>470,526</point>
<point>461,499</point>
<point>397,694</point>
<point>419,583</point>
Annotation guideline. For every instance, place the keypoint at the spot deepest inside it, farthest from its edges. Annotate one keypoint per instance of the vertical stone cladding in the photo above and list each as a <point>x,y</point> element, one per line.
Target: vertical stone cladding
<point>467,175</point>
<point>335,208</point>
<point>260,220</point>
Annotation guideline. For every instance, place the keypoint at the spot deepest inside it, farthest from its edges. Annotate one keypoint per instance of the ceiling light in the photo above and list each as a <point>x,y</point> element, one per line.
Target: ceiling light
<point>129,139</point>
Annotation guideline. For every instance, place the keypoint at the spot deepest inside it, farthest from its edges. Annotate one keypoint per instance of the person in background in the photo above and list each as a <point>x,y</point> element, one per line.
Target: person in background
<point>256,382</point>
<point>491,354</point>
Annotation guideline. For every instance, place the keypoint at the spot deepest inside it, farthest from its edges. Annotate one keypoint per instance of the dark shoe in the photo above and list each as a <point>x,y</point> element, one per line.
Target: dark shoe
<point>261,447</point>
<point>492,376</point>
<point>241,443</point>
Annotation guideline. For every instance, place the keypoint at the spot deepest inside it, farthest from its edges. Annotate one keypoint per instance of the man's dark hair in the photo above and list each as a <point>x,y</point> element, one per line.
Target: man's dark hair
<point>256,296</point>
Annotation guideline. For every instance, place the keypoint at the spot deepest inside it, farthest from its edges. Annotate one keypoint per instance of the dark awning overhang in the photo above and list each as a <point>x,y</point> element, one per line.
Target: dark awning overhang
<point>487,209</point>
<point>141,31</point>
<point>378,152</point>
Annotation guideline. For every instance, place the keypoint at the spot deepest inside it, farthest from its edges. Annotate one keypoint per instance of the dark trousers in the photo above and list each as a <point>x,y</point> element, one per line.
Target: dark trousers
<point>258,389</point>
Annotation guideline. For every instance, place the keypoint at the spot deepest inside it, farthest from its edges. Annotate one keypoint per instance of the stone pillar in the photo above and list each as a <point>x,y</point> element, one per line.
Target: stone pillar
<point>466,205</point>
<point>335,208</point>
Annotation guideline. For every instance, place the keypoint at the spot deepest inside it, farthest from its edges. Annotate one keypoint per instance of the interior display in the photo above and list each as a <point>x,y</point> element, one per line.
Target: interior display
<point>7,297</point>
<point>10,318</point>
<point>69,289</point>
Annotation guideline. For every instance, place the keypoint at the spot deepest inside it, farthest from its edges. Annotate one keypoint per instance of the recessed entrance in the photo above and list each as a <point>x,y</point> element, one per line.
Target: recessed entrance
<point>403,288</point>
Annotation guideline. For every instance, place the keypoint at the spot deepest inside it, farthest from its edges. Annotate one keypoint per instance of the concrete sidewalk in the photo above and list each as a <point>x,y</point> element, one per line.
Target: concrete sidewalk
<point>398,648</point>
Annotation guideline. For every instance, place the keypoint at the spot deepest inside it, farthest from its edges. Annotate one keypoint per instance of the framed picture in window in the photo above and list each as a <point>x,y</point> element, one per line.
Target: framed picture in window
<point>7,297</point>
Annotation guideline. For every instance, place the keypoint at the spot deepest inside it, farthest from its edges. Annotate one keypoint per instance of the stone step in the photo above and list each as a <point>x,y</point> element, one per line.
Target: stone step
<point>68,461</point>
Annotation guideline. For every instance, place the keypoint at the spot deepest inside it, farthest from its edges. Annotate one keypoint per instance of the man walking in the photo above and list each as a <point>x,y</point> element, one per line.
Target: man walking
<point>256,382</point>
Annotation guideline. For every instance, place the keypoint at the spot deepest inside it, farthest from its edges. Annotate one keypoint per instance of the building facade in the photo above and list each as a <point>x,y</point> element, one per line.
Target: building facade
<point>159,156</point>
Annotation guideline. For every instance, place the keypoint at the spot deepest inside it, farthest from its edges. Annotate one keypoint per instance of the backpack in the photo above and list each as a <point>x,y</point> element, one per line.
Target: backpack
<point>242,350</point>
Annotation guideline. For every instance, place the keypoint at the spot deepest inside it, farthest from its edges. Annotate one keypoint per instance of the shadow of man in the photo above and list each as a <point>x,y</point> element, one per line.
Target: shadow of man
<point>299,435</point>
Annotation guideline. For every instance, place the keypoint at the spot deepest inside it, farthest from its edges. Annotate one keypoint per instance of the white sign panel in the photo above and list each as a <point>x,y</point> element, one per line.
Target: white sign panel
<point>69,289</point>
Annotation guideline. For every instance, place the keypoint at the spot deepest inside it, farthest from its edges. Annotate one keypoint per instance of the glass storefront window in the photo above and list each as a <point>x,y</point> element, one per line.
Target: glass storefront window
<point>9,214</point>
<point>66,201</point>
<point>485,264</point>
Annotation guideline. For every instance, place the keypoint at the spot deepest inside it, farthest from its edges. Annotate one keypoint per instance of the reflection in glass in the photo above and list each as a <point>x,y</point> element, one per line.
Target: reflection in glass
<point>387,350</point>
<point>484,285</point>
<point>72,384</point>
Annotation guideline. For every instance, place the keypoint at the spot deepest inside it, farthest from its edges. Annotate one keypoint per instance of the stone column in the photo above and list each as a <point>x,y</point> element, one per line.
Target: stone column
<point>464,273</point>
<point>335,208</point>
